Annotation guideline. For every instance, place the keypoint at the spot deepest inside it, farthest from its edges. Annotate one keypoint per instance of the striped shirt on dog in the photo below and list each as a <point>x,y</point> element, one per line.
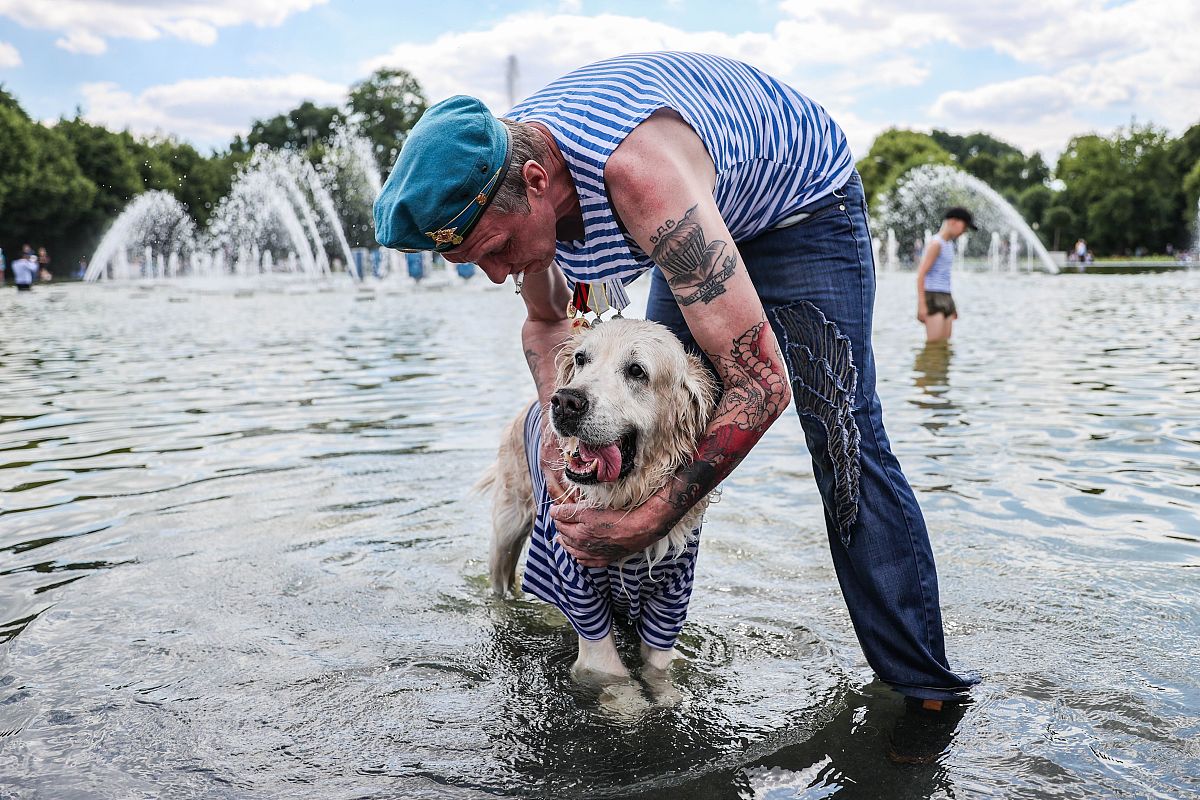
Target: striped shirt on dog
<point>775,151</point>
<point>656,599</point>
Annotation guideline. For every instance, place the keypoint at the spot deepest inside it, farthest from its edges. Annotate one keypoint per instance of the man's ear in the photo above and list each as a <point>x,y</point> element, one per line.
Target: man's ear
<point>537,180</point>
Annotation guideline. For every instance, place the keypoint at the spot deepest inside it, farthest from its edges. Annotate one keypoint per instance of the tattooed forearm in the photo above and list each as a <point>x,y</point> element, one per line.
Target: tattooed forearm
<point>754,381</point>
<point>755,394</point>
<point>533,358</point>
<point>716,456</point>
<point>694,268</point>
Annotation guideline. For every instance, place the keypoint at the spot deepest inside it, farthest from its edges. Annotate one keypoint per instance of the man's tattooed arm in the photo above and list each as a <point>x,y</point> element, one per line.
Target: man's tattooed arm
<point>756,392</point>
<point>533,358</point>
<point>694,268</point>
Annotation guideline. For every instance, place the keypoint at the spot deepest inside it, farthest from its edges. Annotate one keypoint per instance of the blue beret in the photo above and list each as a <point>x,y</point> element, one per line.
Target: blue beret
<point>447,173</point>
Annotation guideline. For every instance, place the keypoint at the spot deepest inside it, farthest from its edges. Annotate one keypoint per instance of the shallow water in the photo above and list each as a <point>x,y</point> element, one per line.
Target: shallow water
<point>237,559</point>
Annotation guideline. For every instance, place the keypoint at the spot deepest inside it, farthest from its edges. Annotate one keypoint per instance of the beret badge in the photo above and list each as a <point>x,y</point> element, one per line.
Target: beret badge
<point>444,236</point>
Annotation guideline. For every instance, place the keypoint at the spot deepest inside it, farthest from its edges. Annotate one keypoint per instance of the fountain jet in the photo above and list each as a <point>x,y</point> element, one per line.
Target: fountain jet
<point>924,193</point>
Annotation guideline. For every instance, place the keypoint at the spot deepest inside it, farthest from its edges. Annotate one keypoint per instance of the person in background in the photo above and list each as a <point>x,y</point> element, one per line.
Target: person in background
<point>935,303</point>
<point>44,273</point>
<point>3,266</point>
<point>1081,251</point>
<point>81,268</point>
<point>25,272</point>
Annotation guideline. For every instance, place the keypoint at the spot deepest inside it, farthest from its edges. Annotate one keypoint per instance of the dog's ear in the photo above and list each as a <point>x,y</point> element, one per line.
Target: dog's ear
<point>564,361</point>
<point>701,388</point>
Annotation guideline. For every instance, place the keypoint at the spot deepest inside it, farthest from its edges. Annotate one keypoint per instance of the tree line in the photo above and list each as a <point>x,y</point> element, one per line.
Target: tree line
<point>62,184</point>
<point>1134,190</point>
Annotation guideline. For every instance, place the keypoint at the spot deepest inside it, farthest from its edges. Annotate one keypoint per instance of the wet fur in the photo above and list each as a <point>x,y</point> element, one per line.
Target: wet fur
<point>669,412</point>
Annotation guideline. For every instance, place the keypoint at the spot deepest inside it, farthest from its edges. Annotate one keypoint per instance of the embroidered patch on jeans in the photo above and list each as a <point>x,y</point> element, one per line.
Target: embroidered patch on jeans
<point>824,380</point>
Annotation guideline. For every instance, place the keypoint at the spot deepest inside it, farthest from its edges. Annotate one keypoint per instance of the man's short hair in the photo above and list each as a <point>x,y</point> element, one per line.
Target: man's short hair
<point>526,145</point>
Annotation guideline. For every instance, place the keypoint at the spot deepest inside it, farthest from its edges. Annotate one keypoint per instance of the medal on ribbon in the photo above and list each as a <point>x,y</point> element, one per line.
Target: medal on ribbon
<point>588,299</point>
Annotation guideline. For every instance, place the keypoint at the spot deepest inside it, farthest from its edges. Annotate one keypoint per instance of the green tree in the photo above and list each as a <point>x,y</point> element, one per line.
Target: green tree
<point>154,168</point>
<point>103,157</point>
<point>974,144</point>
<point>197,181</point>
<point>298,129</point>
<point>1033,202</point>
<point>1191,208</point>
<point>105,160</point>
<point>1185,151</point>
<point>1036,170</point>
<point>999,164</point>
<point>1115,212</point>
<point>385,106</point>
<point>983,166</point>
<point>207,182</point>
<point>1058,223</point>
<point>894,153</point>
<point>45,193</point>
<point>16,156</point>
<point>9,101</point>
<point>1122,189</point>
<point>1185,161</point>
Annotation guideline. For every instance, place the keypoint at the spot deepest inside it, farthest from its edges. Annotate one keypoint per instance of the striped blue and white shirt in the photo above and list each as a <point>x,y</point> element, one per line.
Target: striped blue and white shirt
<point>656,599</point>
<point>774,149</point>
<point>938,277</point>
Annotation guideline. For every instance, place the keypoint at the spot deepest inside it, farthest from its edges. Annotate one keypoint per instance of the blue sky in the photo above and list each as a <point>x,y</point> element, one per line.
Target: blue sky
<point>1032,72</point>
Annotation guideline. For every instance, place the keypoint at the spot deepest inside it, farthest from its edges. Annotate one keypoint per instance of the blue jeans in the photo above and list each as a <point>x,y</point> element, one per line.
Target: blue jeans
<point>816,280</point>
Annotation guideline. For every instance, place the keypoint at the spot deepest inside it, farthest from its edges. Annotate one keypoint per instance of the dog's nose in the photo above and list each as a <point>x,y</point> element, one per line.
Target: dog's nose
<point>569,403</point>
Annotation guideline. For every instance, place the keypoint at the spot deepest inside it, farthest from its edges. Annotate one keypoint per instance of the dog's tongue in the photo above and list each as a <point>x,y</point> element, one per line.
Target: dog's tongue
<point>607,458</point>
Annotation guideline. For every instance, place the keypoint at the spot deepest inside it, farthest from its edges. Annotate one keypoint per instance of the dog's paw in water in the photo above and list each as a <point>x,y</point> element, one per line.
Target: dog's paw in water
<point>617,695</point>
<point>623,700</point>
<point>662,689</point>
<point>656,674</point>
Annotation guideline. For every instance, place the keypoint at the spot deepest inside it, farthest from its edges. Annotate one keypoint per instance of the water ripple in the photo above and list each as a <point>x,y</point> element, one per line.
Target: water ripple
<point>238,558</point>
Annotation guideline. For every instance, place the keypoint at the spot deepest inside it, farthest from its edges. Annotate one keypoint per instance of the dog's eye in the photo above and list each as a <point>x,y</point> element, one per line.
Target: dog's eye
<point>636,372</point>
<point>580,359</point>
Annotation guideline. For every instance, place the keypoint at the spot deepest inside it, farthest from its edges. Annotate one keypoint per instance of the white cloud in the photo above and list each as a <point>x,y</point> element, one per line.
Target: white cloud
<point>9,57</point>
<point>1085,59</point>
<point>1021,100</point>
<point>1130,60</point>
<point>192,30</point>
<point>817,48</point>
<point>799,49</point>
<point>82,42</point>
<point>207,111</point>
<point>86,25</point>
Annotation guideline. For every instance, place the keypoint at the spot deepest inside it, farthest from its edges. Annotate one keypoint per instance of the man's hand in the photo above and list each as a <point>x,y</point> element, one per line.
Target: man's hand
<point>596,537</point>
<point>922,311</point>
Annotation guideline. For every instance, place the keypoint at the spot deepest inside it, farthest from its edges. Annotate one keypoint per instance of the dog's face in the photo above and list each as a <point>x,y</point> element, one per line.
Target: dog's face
<point>630,403</point>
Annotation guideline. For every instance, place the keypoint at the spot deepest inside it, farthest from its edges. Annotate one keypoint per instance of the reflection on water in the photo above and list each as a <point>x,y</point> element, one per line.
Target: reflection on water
<point>238,559</point>
<point>931,374</point>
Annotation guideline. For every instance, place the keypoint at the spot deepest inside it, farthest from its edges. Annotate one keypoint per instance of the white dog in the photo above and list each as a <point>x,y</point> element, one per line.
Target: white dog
<point>629,407</point>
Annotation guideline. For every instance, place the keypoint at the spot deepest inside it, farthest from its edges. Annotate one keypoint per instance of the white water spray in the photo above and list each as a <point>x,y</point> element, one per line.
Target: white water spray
<point>924,193</point>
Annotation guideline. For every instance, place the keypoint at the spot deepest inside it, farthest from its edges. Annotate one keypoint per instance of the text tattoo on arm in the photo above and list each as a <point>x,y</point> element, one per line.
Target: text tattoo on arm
<point>694,268</point>
<point>754,390</point>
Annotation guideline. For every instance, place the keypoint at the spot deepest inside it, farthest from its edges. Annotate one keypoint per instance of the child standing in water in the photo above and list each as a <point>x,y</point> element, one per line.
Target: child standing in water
<point>935,303</point>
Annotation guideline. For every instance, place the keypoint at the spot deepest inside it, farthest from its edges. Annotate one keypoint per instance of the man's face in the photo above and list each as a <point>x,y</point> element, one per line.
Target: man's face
<point>508,244</point>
